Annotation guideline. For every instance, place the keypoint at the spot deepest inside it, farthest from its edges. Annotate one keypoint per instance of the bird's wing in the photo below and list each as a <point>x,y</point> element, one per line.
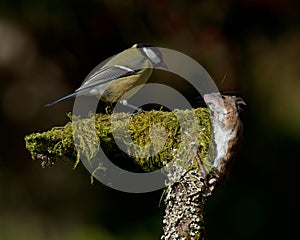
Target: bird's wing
<point>103,75</point>
<point>107,74</point>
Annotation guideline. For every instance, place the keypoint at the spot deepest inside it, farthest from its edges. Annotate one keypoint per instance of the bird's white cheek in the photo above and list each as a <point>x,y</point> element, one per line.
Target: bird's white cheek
<point>154,58</point>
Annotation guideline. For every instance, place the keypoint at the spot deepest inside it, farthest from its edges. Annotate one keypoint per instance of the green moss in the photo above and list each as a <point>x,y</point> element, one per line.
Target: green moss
<point>58,142</point>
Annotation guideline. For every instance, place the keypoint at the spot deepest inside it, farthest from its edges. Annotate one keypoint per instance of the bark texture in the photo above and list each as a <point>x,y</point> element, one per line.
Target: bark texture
<point>185,199</point>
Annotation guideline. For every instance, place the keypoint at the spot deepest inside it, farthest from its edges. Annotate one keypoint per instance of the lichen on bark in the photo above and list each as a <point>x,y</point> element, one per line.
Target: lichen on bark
<point>188,158</point>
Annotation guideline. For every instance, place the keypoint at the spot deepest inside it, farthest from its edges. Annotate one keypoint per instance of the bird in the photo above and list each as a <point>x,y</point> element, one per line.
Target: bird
<point>122,72</point>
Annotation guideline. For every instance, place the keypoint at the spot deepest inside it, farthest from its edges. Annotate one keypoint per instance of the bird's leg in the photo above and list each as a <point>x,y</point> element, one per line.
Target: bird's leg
<point>125,103</point>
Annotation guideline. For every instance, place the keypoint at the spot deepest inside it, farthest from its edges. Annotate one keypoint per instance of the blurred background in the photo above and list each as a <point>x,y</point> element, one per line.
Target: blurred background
<point>47,47</point>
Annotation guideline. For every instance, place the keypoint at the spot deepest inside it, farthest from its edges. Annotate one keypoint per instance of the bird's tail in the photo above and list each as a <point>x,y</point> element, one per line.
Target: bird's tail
<point>62,99</point>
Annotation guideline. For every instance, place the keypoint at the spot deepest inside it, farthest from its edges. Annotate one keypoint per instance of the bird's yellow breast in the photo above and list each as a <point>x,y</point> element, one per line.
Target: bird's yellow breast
<point>117,89</point>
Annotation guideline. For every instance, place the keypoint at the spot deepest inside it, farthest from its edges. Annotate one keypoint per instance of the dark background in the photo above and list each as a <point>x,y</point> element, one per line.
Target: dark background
<point>47,48</point>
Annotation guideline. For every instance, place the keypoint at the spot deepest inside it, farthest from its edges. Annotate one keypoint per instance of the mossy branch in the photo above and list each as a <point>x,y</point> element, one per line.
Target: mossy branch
<point>184,197</point>
<point>58,143</point>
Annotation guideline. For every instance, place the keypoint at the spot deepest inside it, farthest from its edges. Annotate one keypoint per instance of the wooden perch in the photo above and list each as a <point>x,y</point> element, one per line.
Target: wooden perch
<point>58,143</point>
<point>194,166</point>
<point>185,198</point>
